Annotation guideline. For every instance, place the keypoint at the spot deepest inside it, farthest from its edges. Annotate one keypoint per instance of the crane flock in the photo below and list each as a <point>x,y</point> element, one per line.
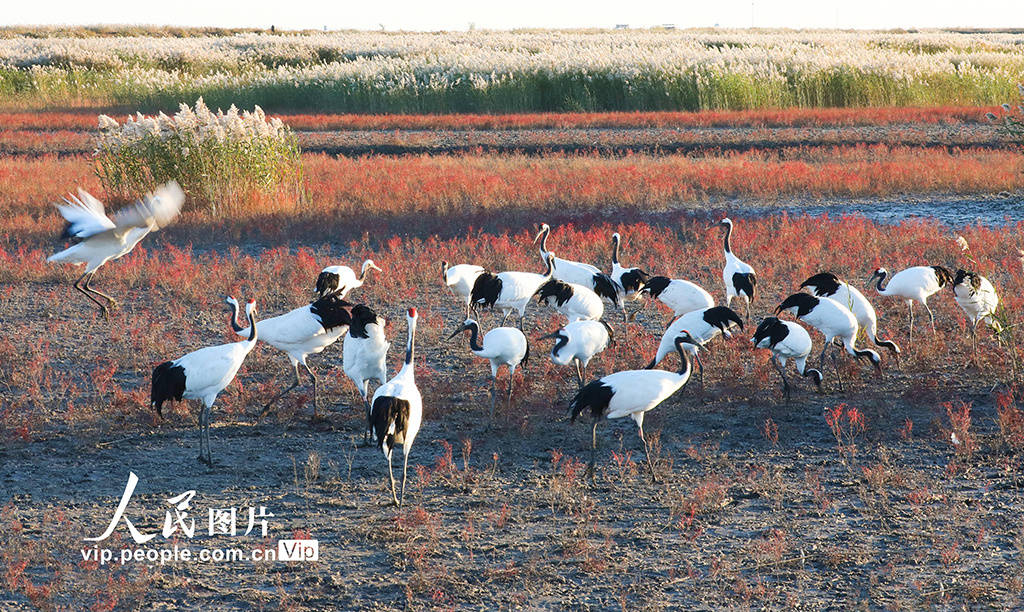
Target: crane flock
<point>575,290</point>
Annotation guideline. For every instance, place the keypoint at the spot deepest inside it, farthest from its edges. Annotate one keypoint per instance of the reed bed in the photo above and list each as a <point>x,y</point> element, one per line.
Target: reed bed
<point>490,71</point>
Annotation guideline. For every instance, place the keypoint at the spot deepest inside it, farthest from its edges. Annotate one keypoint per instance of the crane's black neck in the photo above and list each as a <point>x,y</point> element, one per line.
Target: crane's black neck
<point>233,321</point>
<point>252,327</point>
<point>728,235</point>
<point>362,273</point>
<point>684,369</point>
<point>444,272</point>
<point>544,240</point>
<point>615,249</point>
<point>561,341</point>
<point>410,347</point>
<point>238,328</point>
<point>878,282</point>
<point>474,337</point>
<point>550,261</point>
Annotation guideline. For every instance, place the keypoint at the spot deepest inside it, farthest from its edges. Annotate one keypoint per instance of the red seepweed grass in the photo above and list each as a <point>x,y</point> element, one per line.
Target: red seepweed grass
<point>183,289</point>
<point>514,189</point>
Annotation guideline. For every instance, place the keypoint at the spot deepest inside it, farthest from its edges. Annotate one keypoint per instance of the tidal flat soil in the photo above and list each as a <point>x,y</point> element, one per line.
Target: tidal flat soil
<point>760,503</point>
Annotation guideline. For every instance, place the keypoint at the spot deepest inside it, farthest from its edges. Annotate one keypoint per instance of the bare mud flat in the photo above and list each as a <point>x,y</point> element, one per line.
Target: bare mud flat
<point>953,210</point>
<point>614,141</point>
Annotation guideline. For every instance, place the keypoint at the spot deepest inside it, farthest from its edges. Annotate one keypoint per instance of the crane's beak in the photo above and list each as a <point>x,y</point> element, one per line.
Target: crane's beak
<point>375,267</point>
<point>458,331</point>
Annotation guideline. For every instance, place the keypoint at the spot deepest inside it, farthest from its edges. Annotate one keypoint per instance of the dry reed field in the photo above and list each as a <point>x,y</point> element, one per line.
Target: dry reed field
<point>901,491</point>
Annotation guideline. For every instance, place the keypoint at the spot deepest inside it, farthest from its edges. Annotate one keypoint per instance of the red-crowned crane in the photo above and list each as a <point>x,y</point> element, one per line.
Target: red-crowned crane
<point>101,239</point>
<point>510,291</point>
<point>703,325</point>
<point>364,353</point>
<point>304,331</point>
<point>577,343</point>
<point>739,278</point>
<point>786,340</point>
<point>576,302</point>
<point>460,279</point>
<point>834,321</point>
<point>202,375</point>
<point>680,295</point>
<point>632,393</point>
<point>630,280</point>
<point>342,279</point>
<point>502,346</point>
<point>398,410</point>
<point>913,285</point>
<point>977,298</point>
<point>580,273</point>
<point>827,284</point>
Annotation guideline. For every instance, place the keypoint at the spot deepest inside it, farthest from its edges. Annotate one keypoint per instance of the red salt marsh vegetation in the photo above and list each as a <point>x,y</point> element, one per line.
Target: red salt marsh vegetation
<point>517,188</point>
<point>183,283</point>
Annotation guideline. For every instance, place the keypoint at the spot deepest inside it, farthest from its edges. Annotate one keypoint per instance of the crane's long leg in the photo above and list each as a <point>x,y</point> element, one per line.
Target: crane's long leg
<point>391,475</point>
<point>405,472</point>
<point>579,373</point>
<point>504,317</point>
<point>593,447</point>
<point>930,315</point>
<point>201,417</point>
<point>209,453</point>
<point>835,366</point>
<point>821,360</point>
<point>782,373</point>
<point>88,280</point>
<point>103,307</point>
<point>368,434</point>
<point>205,444</point>
<point>647,453</point>
<point>494,398</point>
<point>910,305</point>
<point>508,402</point>
<point>315,381</point>
<point>204,435</point>
<point>700,364</point>
<point>748,309</point>
<point>281,394</point>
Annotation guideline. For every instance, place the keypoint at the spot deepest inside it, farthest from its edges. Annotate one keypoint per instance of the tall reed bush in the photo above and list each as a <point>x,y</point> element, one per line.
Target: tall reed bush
<point>219,158</point>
